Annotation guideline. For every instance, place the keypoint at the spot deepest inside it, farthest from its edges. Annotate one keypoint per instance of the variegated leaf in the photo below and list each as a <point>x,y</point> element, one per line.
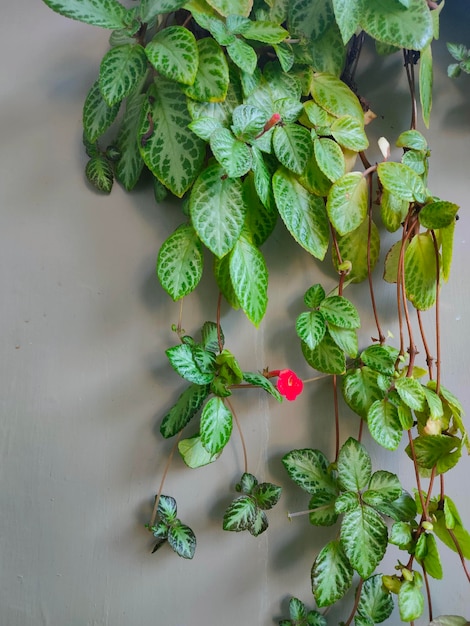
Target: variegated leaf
<point>173,52</point>
<point>212,77</point>
<point>105,13</point>
<point>121,69</point>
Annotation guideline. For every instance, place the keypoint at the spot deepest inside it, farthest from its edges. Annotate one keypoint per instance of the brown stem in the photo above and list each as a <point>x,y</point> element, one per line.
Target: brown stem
<point>219,332</point>
<point>429,357</point>
<point>242,438</point>
<point>428,592</point>
<point>356,603</point>
<point>438,320</point>
<point>336,405</point>
<point>165,472</point>
<point>418,478</point>
<point>410,74</point>
<point>460,553</point>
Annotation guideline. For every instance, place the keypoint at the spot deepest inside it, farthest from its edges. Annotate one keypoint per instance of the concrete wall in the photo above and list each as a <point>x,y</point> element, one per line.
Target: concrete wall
<point>85,383</point>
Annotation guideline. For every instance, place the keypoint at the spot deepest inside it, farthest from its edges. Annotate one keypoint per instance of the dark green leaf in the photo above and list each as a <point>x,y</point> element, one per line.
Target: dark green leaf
<point>240,515</point>
<point>99,173</point>
<point>183,541</point>
<point>434,450</point>
<point>309,19</point>
<point>327,356</point>
<point>211,335</point>
<point>403,509</point>
<point>130,164</point>
<point>180,262</point>
<point>339,311</point>
<point>97,115</point>
<point>438,214</point>
<point>309,469</point>
<point>249,276</point>
<point>266,495</point>
<point>380,358</point>
<point>258,380</point>
<point>182,360</point>
<point>216,425</point>
<point>375,601</point>
<point>105,13</point>
<point>322,511</point>
<point>187,405</point>
<point>310,327</point>
<point>121,69</point>
<point>364,537</point>
<point>354,466</point>
<point>167,509</point>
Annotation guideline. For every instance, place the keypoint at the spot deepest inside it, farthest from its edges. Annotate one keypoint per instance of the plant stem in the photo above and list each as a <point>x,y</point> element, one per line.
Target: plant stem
<point>165,472</point>
<point>460,553</point>
<point>219,333</point>
<point>428,592</point>
<point>429,357</point>
<point>356,603</point>
<point>438,317</point>
<point>336,405</point>
<point>369,264</point>
<point>242,438</point>
<point>418,478</point>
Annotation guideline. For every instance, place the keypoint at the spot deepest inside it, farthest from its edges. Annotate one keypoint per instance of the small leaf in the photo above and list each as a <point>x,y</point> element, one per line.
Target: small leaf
<point>248,121</point>
<point>375,601</point>
<point>349,133</point>
<point>240,515</point>
<point>401,535</point>
<point>347,202</point>
<point>130,164</point>
<point>354,248</point>
<point>212,77</point>
<point>173,52</point>
<point>411,393</point>
<point>331,574</point>
<point>292,146</point>
<point>322,509</point>
<point>182,360</point>
<point>385,487</point>
<point>329,157</point>
<point>233,155</point>
<point>384,424</point>
<point>314,296</point>
<point>354,466</point>
<point>258,380</point>
<point>99,173</point>
<point>167,509</point>
<point>425,83</point>
<point>232,7</point>
<point>264,31</point>
<point>339,311</point>
<point>266,495</point>
<point>401,181</point>
<point>393,211</point>
<point>182,539</point>
<point>104,13</point>
<point>180,262</point>
<point>309,469</point>
<point>412,139</point>
<point>434,450</point>
<point>260,523</point>
<point>249,276</point>
<point>121,69</point>
<point>410,599</point>
<point>431,559</point>
<point>360,390</point>
<point>194,454</point>
<point>438,214</point>
<point>380,358</point>
<point>364,537</point>
<point>310,327</point>
<point>216,425</point>
<point>247,483</point>
<point>403,509</point>
<point>187,405</point>
<point>97,115</point>
<point>327,356</point>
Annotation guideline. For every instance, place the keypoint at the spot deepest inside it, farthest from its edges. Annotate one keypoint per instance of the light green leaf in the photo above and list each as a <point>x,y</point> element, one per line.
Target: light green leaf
<point>425,83</point>
<point>438,214</point>
<point>99,173</point>
<point>417,161</point>
<point>393,211</point>
<point>293,146</point>
<point>203,127</point>
<point>314,296</point>
<point>303,214</point>
<point>403,509</point>
<point>401,181</point>
<point>314,180</point>
<point>258,380</point>
<point>353,247</point>
<point>329,157</point>
<point>347,501</point>
<point>97,115</point>
<point>421,271</point>
<point>249,276</point>
<point>336,97</point>
<point>180,262</point>
<point>241,514</point>
<point>121,69</point>
<point>172,152</point>
<point>339,311</point>
<point>309,469</point>
<point>264,31</point>
<point>410,599</point>
<point>310,327</point>
<point>219,111</point>
<point>389,23</point>
<point>375,601</point>
<point>212,77</point>
<point>347,14</point>
<point>401,535</point>
<point>360,390</point>
<point>412,139</point>
<point>321,508</point>
<point>130,164</point>
<point>149,9</point>
<point>349,133</point>
<point>384,424</point>
<point>232,154</point>
<point>182,360</point>
<point>380,358</point>
<point>232,7</point>
<point>285,55</point>
<point>187,405</point>
<point>194,453</point>
<point>461,535</point>
<point>331,574</point>
<point>243,55</point>
<point>354,466</point>
<point>430,558</point>
<point>217,209</point>
<point>327,356</point>
<point>347,202</point>
<point>411,393</point>
<point>105,13</point>
<point>216,425</point>
<point>309,19</point>
<point>247,122</point>
<point>364,537</point>
<point>182,539</point>
<point>449,620</point>
<point>173,52</point>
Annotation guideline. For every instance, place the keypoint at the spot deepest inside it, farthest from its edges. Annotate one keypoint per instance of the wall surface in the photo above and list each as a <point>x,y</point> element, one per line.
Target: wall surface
<point>85,383</point>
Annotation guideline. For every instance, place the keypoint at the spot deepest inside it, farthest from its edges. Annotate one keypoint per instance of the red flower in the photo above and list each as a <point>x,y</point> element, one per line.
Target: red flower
<point>289,384</point>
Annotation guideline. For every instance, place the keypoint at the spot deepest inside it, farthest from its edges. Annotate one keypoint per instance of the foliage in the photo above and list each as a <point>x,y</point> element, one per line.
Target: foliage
<point>248,111</point>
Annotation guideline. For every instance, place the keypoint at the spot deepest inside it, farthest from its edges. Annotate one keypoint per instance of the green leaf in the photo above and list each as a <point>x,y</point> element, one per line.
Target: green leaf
<point>322,511</point>
<point>401,181</point>
<point>383,487</point>
<point>167,509</point>
<point>309,19</point>
<point>347,501</point>
<point>203,127</point>
<point>364,537</point>
<point>194,453</point>
<point>174,53</point>
<point>99,173</point>
<point>347,14</point>
<point>216,425</point>
<point>182,360</point>
<point>331,574</point>
<point>435,450</point>
<point>410,599</point>
<point>247,483</point>
<point>260,220</point>
<point>187,405</point>
<point>401,535</point>
<point>349,133</point>
<point>314,296</point>
<point>438,214</point>
<point>384,424</point>
<point>240,515</point>
<point>249,276</point>
<point>309,469</point>
<point>393,211</point>
<point>380,358</point>
<point>462,536</point>
<point>347,202</point>
<point>212,78</point>
<point>180,262</point>
<point>262,179</point>
<point>224,282</point>
<point>266,495</point>
<point>211,334</point>
<point>217,209</point>
<point>303,214</point>
<point>375,602</point>
<point>449,620</point>
<point>412,139</point>
<point>339,311</point>
<point>248,121</point>
<point>260,523</point>
<point>243,55</point>
<point>258,380</point>
<point>411,393</point>
<point>172,152</point>
<point>310,327</point>
<point>330,158</point>
<point>354,466</point>
<point>121,69</point>
<point>293,146</point>
<point>233,155</point>
<point>425,83</point>
<point>182,539</point>
<point>285,55</point>
<point>149,9</point>
<point>353,247</point>
<point>328,52</point>
<point>264,31</point>
<point>105,13</point>
<point>232,7</point>
<point>389,23</point>
<point>327,356</point>
<point>335,96</point>
<point>403,509</point>
<point>421,271</point>
<point>430,558</point>
<point>130,163</point>
<point>360,390</point>
<point>97,115</point>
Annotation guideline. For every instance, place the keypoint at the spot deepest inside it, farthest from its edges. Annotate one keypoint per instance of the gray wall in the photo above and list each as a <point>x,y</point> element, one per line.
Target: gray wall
<point>84,380</point>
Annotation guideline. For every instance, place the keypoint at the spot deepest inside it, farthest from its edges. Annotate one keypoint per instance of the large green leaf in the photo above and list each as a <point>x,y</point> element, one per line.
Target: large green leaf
<point>345,339</point>
<point>172,152</point>
<point>232,154</point>
<point>243,55</point>
<point>130,163</point>
<point>354,466</point>
<point>97,115</point>
<point>260,219</point>
<point>232,7</point>
<point>390,23</point>
<point>364,537</point>
<point>347,202</point>
<point>331,574</point>
<point>216,425</point>
<point>328,52</point>
<point>309,469</point>
<point>349,133</point>
<point>183,360</point>
<point>174,53</point>
<point>329,157</point>
<point>436,450</point>
<point>411,393</point>
<point>339,311</point>
<point>182,539</point>
<point>354,248</point>
<point>121,69</point>
<point>393,210</point>
<point>105,13</point>
<point>410,599</point>
<point>375,602</point>
<point>327,357</point>
<point>212,77</point>
<point>249,276</point>
<point>303,213</point>
<point>384,424</point>
<point>438,214</point>
<point>187,405</point>
<point>194,453</point>
<point>335,96</point>
<point>421,271</point>
<point>293,146</point>
<point>262,179</point>
<point>360,389</point>
<point>310,327</point>
<point>241,514</point>
<point>403,509</point>
<point>217,208</point>
<point>180,262</point>
<point>401,181</point>
<point>309,19</point>
<point>347,14</point>
<point>461,535</point>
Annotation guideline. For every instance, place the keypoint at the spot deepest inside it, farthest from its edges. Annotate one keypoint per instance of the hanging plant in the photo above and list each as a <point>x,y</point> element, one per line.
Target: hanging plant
<point>248,111</point>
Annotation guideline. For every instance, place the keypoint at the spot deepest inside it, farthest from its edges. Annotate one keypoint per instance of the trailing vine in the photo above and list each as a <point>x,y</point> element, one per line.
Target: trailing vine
<point>249,111</point>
